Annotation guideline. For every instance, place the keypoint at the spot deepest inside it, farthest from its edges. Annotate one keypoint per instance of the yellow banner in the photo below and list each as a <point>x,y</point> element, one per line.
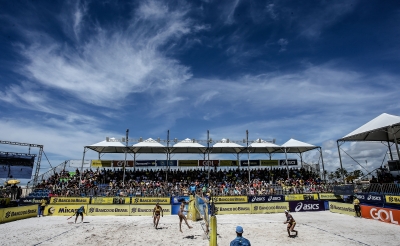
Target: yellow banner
<point>111,200</point>
<point>17,213</point>
<point>301,197</point>
<point>101,163</point>
<point>392,199</point>
<point>104,210</point>
<point>147,210</point>
<point>328,196</point>
<point>234,208</point>
<point>4,201</point>
<point>266,208</point>
<point>70,200</point>
<point>342,208</point>
<point>1,215</point>
<point>62,210</point>
<point>188,163</point>
<point>151,200</point>
<point>230,199</point>
<point>269,162</point>
<point>228,163</point>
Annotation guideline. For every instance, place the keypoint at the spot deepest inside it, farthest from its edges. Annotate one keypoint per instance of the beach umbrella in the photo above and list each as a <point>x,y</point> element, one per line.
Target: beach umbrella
<point>13,181</point>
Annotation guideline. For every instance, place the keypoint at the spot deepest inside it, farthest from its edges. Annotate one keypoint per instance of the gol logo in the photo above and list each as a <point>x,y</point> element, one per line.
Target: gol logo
<point>383,215</point>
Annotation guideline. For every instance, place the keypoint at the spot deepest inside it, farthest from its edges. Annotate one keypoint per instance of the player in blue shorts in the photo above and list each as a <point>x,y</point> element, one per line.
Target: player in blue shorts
<point>80,212</point>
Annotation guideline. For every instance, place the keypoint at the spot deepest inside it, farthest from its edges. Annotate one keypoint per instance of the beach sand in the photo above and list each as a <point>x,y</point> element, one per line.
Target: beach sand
<point>315,228</point>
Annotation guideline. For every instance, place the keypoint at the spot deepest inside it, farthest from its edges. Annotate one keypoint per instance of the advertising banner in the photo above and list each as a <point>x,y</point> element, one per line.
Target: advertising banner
<point>4,202</point>
<point>306,206</point>
<point>62,210</point>
<point>78,163</point>
<point>329,196</point>
<point>290,162</point>
<point>209,163</point>
<point>269,162</point>
<point>105,210</point>
<point>111,200</point>
<point>101,163</point>
<point>1,215</point>
<point>147,210</point>
<point>234,208</point>
<point>271,198</point>
<point>369,198</point>
<point>17,213</point>
<point>145,163</point>
<point>343,190</point>
<point>120,163</point>
<point>267,208</point>
<point>301,197</point>
<point>188,163</point>
<point>342,208</point>
<point>165,163</point>
<point>230,199</point>
<point>392,199</point>
<point>252,162</point>
<point>151,200</point>
<point>176,200</point>
<point>227,163</point>
<point>382,214</point>
<point>30,200</point>
<point>69,200</point>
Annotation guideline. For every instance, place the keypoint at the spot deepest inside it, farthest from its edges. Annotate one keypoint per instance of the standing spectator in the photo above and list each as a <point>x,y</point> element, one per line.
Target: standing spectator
<point>42,206</point>
<point>356,204</point>
<point>240,240</point>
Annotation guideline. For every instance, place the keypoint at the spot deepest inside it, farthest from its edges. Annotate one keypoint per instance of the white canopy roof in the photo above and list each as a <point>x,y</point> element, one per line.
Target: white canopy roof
<point>148,146</point>
<point>262,146</point>
<point>296,146</point>
<point>111,146</point>
<point>378,129</point>
<point>227,147</point>
<point>188,146</point>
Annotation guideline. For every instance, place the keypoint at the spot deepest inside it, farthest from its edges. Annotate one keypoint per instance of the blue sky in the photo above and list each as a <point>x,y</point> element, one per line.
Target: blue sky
<point>74,72</point>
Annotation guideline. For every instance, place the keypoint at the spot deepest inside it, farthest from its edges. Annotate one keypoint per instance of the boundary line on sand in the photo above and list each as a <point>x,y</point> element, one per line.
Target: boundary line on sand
<point>56,236</point>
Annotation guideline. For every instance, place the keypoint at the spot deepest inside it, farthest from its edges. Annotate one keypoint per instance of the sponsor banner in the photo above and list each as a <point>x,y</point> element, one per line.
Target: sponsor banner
<point>341,208</point>
<point>69,200</point>
<point>306,206</point>
<point>111,200</point>
<point>17,213</point>
<point>382,214</point>
<point>369,198</point>
<point>151,200</point>
<point>188,163</point>
<point>392,199</point>
<point>290,162</point>
<point>343,190</point>
<point>301,197</point>
<point>62,210</point>
<point>267,208</point>
<point>121,163</point>
<point>101,163</point>
<point>209,163</point>
<point>230,199</point>
<point>269,162</point>
<point>234,208</point>
<point>165,163</point>
<point>329,196</point>
<point>145,163</point>
<point>176,200</point>
<point>1,215</point>
<point>252,162</point>
<point>229,163</point>
<point>147,210</point>
<point>104,210</point>
<point>271,198</point>
<point>30,200</point>
<point>78,163</point>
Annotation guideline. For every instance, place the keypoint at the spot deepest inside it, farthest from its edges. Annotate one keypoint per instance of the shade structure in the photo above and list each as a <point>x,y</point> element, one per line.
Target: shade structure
<point>262,146</point>
<point>148,146</point>
<point>224,147</point>
<point>13,181</point>
<point>111,146</point>
<point>296,146</point>
<point>188,146</point>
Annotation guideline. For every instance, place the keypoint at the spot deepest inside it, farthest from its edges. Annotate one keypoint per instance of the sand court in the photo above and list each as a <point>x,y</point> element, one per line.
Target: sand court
<point>315,228</point>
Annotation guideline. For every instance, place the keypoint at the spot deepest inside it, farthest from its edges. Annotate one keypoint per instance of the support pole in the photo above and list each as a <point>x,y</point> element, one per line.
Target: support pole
<point>287,166</point>
<point>340,159</point>
<point>126,150</point>
<point>323,166</point>
<point>248,156</point>
<point>83,160</point>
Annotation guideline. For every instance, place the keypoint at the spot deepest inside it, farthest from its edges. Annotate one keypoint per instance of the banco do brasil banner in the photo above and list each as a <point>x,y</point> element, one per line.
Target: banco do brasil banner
<point>188,163</point>
<point>270,198</point>
<point>267,208</point>
<point>329,196</point>
<point>104,210</point>
<point>392,199</point>
<point>228,163</point>
<point>341,208</point>
<point>69,200</point>
<point>234,208</point>
<point>17,213</point>
<point>301,197</point>
<point>151,200</point>
<point>101,163</point>
<point>306,206</point>
<point>111,200</point>
<point>147,210</point>
<point>230,199</point>
<point>269,162</point>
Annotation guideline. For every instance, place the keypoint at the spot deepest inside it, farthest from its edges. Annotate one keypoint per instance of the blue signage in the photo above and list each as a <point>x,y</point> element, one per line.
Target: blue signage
<point>369,198</point>
<point>271,198</point>
<point>165,163</point>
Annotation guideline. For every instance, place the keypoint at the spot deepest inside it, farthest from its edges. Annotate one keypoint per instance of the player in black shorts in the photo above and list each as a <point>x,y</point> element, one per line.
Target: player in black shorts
<point>80,212</point>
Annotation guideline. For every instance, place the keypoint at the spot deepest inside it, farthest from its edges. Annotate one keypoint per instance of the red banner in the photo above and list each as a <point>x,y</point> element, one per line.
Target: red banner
<point>382,214</point>
<point>211,163</point>
<point>120,163</point>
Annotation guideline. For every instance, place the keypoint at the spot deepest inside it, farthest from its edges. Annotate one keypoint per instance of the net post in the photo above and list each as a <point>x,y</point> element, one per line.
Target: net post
<point>213,231</point>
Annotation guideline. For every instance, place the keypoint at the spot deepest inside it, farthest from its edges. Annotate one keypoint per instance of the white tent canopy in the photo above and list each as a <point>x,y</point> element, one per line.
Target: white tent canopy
<point>188,146</point>
<point>262,146</point>
<point>225,146</point>
<point>296,146</point>
<point>148,146</point>
<point>111,146</point>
